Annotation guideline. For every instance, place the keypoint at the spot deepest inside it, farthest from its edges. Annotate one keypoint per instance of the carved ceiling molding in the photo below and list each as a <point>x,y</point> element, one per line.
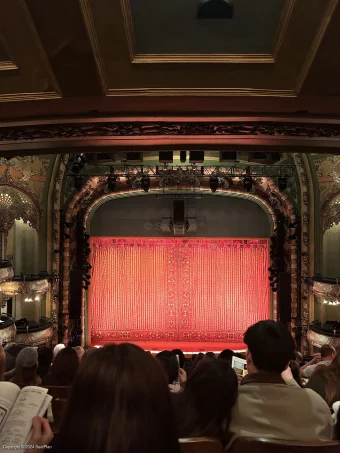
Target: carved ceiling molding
<point>156,127</point>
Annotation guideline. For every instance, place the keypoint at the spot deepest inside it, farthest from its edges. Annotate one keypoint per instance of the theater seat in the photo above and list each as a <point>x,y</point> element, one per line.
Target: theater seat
<point>200,445</point>
<point>251,445</point>
<point>57,391</point>
<point>58,410</point>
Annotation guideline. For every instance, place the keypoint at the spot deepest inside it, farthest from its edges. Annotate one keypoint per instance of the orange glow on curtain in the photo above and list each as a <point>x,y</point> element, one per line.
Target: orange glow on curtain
<point>177,289</point>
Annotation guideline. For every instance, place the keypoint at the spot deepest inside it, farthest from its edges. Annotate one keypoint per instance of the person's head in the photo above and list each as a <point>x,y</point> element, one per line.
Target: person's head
<point>208,398</point>
<point>193,357</point>
<point>65,366</point>
<point>169,364</point>
<point>331,374</point>
<point>226,354</point>
<point>88,352</point>
<point>57,349</point>
<point>11,350</point>
<point>327,352</point>
<point>26,367</point>
<point>45,355</point>
<point>181,357</point>
<point>210,355</point>
<point>80,352</point>
<point>200,356</point>
<point>270,347</point>
<point>120,402</point>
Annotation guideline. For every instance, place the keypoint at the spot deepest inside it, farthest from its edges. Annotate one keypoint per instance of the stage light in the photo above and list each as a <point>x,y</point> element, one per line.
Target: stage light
<point>213,184</point>
<point>78,163</point>
<point>78,182</point>
<point>112,183</point>
<point>282,183</point>
<point>145,183</point>
<point>248,183</point>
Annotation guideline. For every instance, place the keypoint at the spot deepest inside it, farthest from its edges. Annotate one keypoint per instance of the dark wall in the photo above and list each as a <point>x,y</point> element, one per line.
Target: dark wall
<point>217,216</point>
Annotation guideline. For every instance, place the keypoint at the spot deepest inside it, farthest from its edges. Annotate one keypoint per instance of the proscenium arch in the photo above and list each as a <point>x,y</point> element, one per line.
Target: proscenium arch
<point>82,200</point>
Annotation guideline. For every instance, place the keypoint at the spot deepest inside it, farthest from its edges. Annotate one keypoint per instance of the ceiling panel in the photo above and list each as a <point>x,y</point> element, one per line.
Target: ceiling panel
<point>162,27</point>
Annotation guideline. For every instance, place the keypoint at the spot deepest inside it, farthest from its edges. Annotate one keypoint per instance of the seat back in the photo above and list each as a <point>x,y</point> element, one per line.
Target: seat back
<point>57,391</point>
<point>58,410</point>
<point>251,445</point>
<point>200,445</point>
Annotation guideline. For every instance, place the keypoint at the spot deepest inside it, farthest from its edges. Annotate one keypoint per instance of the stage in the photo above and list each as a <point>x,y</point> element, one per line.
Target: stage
<point>163,293</point>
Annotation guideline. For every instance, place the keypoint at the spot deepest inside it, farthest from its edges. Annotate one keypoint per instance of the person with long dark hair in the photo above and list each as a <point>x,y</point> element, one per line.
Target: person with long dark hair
<point>63,369</point>
<point>204,408</point>
<point>326,381</point>
<point>119,403</point>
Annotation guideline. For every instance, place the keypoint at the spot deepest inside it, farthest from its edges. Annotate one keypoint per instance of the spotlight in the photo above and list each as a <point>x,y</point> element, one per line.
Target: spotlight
<point>112,183</point>
<point>282,183</point>
<point>78,163</point>
<point>213,183</point>
<point>248,183</point>
<point>145,183</point>
<point>78,182</point>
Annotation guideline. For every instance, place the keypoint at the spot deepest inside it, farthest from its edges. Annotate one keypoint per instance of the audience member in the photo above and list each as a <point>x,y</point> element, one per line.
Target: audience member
<point>26,366</point>
<point>181,358</point>
<point>119,403</point>
<point>11,350</point>
<point>63,369</point>
<point>171,368</point>
<point>326,381</point>
<point>269,407</point>
<point>88,352</point>
<point>193,357</point>
<point>204,408</point>
<point>45,355</point>
<point>57,349</point>
<point>200,356</point>
<point>210,355</point>
<point>80,352</point>
<point>327,355</point>
<point>226,354</point>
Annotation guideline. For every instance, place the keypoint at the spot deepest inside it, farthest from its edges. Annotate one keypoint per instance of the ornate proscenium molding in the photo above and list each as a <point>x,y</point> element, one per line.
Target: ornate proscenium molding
<point>169,131</point>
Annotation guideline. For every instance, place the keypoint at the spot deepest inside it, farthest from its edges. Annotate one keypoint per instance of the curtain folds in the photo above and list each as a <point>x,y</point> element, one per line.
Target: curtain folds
<point>177,289</point>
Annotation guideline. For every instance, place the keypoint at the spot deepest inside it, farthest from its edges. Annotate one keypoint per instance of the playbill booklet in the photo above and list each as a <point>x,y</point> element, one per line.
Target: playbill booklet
<point>239,366</point>
<point>17,408</point>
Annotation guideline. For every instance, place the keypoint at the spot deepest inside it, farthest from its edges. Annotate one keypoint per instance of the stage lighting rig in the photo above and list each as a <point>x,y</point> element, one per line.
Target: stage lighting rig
<point>282,183</point>
<point>78,182</point>
<point>78,163</point>
<point>145,183</point>
<point>248,183</point>
<point>213,183</point>
<point>112,183</point>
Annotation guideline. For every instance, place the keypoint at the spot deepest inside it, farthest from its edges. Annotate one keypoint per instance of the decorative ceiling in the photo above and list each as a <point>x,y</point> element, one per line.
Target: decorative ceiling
<point>100,48</point>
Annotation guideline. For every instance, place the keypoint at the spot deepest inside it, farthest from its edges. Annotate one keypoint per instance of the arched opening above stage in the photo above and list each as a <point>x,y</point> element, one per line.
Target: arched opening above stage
<point>210,216</point>
<point>199,292</point>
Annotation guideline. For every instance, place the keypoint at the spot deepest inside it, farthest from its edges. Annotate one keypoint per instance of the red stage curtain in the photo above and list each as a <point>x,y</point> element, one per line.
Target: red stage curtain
<point>177,289</point>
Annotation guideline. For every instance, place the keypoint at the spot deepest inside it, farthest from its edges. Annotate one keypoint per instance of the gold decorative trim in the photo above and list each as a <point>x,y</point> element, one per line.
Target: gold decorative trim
<point>204,58</point>
<point>29,96</point>
<point>199,92</point>
<point>283,25</point>
<point>91,32</point>
<point>332,5</point>
<point>7,66</point>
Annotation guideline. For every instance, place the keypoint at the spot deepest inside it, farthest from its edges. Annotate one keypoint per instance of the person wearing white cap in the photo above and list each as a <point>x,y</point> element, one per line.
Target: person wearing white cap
<point>26,366</point>
<point>57,348</point>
